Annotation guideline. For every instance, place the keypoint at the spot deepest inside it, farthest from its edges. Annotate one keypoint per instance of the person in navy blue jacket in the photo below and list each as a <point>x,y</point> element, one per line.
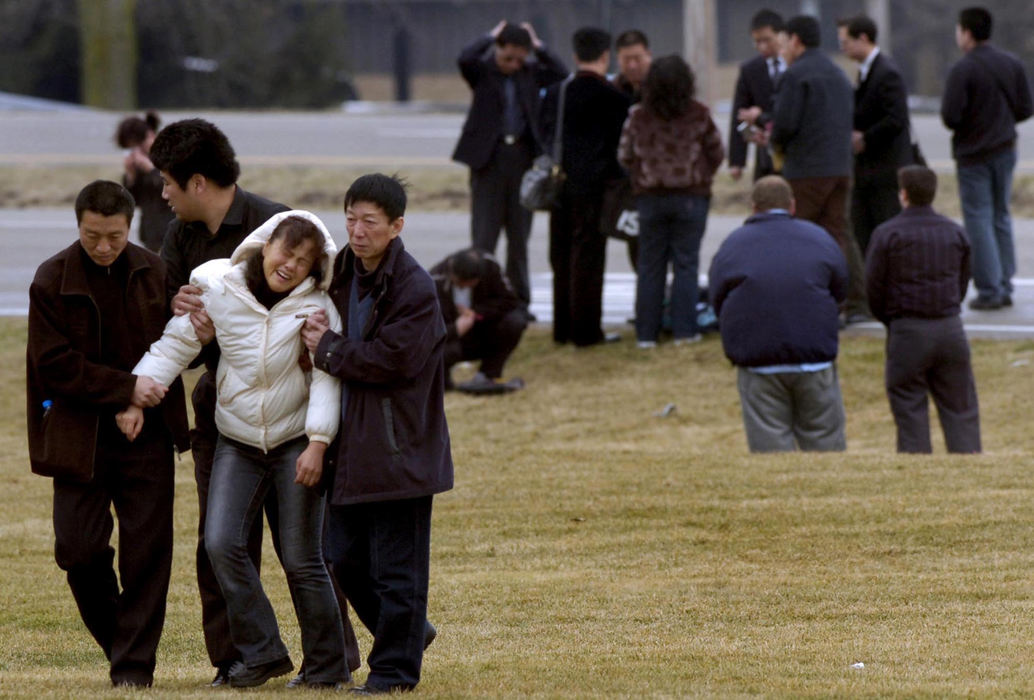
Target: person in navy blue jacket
<point>776,284</point>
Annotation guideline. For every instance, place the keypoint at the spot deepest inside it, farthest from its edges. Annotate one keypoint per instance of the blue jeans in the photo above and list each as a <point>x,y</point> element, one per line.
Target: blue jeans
<point>242,476</point>
<point>984,190</point>
<point>670,229</point>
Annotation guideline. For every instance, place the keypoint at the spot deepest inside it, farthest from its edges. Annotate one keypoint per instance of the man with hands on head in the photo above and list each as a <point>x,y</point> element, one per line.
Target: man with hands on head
<point>505,70</point>
<point>93,309</point>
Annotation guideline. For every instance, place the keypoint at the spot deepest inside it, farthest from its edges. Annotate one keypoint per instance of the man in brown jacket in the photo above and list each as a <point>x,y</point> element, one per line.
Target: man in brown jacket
<point>94,308</point>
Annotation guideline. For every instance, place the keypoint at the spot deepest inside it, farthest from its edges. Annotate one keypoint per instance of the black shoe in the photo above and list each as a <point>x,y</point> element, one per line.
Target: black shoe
<point>430,632</point>
<point>242,676</point>
<point>296,682</point>
<point>130,684</point>
<point>1007,300</point>
<point>376,690</point>
<point>985,304</point>
<point>222,676</point>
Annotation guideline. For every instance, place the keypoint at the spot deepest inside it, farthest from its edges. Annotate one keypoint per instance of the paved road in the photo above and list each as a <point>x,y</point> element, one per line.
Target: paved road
<point>390,138</point>
<point>32,235</point>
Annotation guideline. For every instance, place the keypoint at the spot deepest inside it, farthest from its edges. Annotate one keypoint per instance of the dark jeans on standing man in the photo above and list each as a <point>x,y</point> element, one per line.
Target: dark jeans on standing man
<point>495,203</point>
<point>381,554</point>
<point>578,255</point>
<point>930,356</point>
<point>985,189</point>
<point>242,477</point>
<point>127,624</point>
<point>671,226</point>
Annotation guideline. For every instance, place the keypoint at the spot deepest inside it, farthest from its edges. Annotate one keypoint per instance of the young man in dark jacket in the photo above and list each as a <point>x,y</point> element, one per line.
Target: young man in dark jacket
<point>505,69</point>
<point>594,112</point>
<point>483,317</point>
<point>94,309</point>
<point>917,275</point>
<point>392,453</point>
<point>987,93</point>
<point>775,283</point>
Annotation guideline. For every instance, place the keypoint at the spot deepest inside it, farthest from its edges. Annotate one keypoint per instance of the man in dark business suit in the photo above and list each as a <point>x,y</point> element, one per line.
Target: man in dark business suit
<point>754,90</point>
<point>500,137</point>
<point>880,139</point>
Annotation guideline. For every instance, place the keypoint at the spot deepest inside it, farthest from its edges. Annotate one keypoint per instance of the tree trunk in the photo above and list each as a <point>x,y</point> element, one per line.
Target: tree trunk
<point>109,49</point>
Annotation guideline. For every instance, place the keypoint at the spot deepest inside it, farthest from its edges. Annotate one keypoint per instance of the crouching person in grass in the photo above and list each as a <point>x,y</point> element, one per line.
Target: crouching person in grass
<point>393,452</point>
<point>275,423</point>
<point>918,269</point>
<point>776,283</point>
<point>93,310</point>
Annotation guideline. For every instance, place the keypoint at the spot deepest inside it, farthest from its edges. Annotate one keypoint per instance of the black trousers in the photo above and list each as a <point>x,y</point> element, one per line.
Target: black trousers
<point>495,204</point>
<point>490,341</point>
<point>215,621</point>
<point>127,624</point>
<point>578,255</point>
<point>381,555</point>
<point>931,356</point>
<point>871,205</point>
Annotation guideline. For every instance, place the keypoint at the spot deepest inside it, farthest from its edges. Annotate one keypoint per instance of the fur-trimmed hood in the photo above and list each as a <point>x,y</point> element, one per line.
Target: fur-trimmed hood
<point>260,236</point>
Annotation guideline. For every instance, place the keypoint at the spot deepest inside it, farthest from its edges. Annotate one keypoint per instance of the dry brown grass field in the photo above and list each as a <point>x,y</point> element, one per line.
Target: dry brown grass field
<point>433,188</point>
<point>591,548</point>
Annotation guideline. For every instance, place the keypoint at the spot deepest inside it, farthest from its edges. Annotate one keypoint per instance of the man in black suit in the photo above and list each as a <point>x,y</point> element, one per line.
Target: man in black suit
<point>594,113</point>
<point>754,89</point>
<point>500,137</point>
<point>880,139</point>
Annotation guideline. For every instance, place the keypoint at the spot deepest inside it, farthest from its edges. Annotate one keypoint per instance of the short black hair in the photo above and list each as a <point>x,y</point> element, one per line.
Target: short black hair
<point>807,30</point>
<point>590,43</point>
<point>862,24</point>
<point>467,265</point>
<point>919,183</point>
<point>513,34</point>
<point>132,131</point>
<point>195,146</point>
<point>386,191</point>
<point>106,198</point>
<point>631,37</point>
<point>977,21</point>
<point>767,18</point>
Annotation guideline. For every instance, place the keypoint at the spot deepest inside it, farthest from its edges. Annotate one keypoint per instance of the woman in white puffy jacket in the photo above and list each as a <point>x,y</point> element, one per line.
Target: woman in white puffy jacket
<point>275,421</point>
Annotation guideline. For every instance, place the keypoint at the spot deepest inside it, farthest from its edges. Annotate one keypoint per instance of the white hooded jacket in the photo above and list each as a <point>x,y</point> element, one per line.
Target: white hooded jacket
<point>264,397</point>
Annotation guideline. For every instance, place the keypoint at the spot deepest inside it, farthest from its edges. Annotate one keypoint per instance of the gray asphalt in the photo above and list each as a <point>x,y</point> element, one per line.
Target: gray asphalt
<point>32,235</point>
<point>385,137</point>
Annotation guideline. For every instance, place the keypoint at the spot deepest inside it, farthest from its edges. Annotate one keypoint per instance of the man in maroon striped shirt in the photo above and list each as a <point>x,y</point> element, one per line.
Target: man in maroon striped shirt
<point>917,272</point>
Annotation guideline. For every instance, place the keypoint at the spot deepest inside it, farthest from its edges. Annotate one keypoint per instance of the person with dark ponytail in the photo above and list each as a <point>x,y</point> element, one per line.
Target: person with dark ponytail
<point>142,179</point>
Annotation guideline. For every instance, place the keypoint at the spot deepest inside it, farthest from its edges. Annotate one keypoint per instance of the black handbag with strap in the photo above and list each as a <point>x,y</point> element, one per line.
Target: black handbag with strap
<point>542,182</point>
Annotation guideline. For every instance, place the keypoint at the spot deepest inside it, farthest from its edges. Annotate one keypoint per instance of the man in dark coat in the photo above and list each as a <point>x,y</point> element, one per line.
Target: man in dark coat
<point>775,283</point>
<point>986,95</point>
<point>594,113</point>
<point>500,137</point>
<point>752,100</point>
<point>880,139</point>
<point>392,453</point>
<point>812,130</point>
<point>94,309</point>
<point>917,275</point>
<point>483,317</point>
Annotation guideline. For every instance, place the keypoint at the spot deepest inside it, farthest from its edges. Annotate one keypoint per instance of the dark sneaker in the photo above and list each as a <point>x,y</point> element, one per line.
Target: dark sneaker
<point>222,676</point>
<point>242,676</point>
<point>985,304</point>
